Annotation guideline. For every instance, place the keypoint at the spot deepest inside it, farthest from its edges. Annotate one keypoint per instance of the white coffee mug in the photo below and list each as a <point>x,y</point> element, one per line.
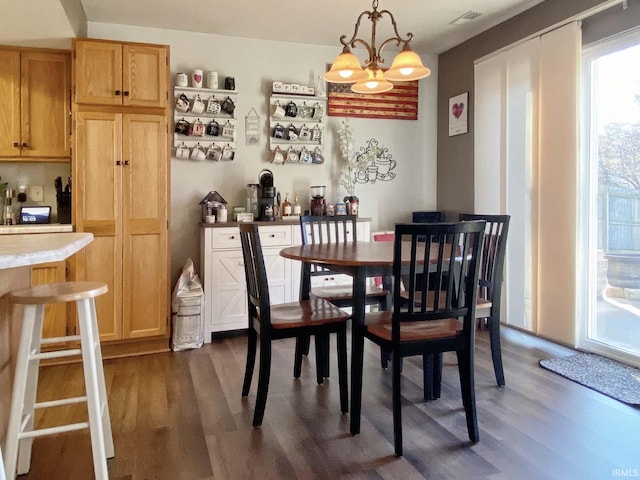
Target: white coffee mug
<point>197,153</point>
<point>210,219</point>
<point>182,80</point>
<point>277,111</point>
<point>212,80</point>
<point>196,79</point>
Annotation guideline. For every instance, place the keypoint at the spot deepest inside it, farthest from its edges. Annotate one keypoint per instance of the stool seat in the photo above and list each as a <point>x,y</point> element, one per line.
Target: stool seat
<point>58,293</point>
<point>21,431</point>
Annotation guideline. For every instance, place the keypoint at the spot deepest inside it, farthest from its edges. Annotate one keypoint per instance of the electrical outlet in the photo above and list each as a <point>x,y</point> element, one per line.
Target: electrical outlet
<point>36,193</point>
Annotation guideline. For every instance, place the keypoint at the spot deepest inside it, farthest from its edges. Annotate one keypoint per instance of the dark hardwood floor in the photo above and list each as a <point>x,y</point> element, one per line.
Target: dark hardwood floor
<point>180,416</point>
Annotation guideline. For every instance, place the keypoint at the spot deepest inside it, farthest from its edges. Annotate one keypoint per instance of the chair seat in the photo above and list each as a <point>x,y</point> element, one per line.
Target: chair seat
<point>306,313</point>
<point>345,292</point>
<point>58,292</point>
<point>379,324</point>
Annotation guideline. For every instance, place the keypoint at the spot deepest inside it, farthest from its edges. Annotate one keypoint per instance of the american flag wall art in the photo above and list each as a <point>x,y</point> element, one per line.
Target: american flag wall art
<point>400,103</point>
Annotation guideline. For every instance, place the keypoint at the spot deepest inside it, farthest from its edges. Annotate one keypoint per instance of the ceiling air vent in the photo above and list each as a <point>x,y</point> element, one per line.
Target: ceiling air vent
<point>466,18</point>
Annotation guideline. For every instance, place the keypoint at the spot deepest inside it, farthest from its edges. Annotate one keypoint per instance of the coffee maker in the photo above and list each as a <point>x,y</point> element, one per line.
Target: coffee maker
<point>318,203</point>
<point>266,197</point>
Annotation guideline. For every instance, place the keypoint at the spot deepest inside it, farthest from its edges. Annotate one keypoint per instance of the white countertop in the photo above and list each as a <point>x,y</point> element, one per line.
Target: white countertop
<point>42,228</point>
<point>31,249</point>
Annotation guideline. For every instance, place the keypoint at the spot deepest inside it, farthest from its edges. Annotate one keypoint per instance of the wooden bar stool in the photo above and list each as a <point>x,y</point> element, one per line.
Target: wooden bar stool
<point>20,432</point>
<point>2,477</point>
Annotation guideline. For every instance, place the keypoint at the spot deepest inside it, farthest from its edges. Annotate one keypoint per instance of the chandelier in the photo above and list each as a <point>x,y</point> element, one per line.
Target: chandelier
<point>346,68</point>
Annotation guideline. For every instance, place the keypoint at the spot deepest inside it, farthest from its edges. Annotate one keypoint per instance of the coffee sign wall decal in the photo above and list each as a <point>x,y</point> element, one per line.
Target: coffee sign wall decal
<point>458,114</point>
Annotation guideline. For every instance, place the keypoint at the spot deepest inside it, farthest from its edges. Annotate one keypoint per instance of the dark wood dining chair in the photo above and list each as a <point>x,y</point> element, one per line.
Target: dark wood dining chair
<point>494,250</point>
<point>317,229</point>
<point>272,322</point>
<point>444,318</point>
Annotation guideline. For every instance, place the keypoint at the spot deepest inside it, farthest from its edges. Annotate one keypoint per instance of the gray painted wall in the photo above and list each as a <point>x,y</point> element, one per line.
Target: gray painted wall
<point>455,76</point>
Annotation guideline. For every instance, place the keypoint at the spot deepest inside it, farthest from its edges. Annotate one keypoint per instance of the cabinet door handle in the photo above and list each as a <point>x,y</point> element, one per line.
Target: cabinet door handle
<point>273,235</point>
<point>16,145</point>
<point>117,92</point>
<point>126,162</point>
<point>125,93</point>
<point>233,237</point>
<point>118,162</point>
<point>25,144</point>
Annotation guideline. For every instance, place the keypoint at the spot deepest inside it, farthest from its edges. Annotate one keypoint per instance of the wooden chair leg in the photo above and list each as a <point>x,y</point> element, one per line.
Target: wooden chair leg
<point>342,370</point>
<point>437,375</point>
<point>385,356</point>
<point>427,376</point>
<point>496,350</point>
<point>320,355</point>
<point>465,369</point>
<point>251,361</point>
<point>397,410</point>
<point>297,362</point>
<point>264,373</point>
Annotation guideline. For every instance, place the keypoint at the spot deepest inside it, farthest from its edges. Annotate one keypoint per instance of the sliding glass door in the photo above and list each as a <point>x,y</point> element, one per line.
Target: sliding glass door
<point>610,200</point>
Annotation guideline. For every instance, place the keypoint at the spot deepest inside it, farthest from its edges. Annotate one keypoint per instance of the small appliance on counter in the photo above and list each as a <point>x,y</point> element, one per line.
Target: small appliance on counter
<point>267,205</point>
<point>318,202</point>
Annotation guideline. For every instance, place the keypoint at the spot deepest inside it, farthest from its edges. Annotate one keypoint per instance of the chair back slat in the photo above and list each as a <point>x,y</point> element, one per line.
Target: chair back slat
<point>256,275</point>
<point>316,229</point>
<point>451,252</point>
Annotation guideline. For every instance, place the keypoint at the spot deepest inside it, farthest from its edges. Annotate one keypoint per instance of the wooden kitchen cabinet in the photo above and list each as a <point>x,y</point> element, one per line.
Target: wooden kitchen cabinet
<point>124,74</point>
<point>35,104</point>
<point>56,322</point>
<point>120,172</point>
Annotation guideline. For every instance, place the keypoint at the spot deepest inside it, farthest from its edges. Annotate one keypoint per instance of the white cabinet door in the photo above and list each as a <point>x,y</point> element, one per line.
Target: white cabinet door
<point>227,291</point>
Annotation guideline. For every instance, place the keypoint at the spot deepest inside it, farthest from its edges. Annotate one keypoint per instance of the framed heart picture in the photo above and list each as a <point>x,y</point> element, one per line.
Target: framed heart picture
<point>458,114</point>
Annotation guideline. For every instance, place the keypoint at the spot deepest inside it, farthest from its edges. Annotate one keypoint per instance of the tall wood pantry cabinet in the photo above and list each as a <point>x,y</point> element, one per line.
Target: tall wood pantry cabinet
<point>121,195</point>
<point>35,104</point>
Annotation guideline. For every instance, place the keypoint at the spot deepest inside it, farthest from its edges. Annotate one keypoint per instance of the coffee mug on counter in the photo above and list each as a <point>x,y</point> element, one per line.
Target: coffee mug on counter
<point>210,219</point>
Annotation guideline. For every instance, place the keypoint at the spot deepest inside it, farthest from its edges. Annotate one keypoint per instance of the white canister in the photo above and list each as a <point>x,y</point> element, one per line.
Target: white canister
<point>210,219</point>
<point>221,214</point>
<point>212,80</point>
<point>182,80</point>
<point>196,79</point>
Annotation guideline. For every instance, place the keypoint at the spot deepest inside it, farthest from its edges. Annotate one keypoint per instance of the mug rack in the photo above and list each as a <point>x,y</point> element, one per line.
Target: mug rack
<point>305,118</point>
<point>222,118</point>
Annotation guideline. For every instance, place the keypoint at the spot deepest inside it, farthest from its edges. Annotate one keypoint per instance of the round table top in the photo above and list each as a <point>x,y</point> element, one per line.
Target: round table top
<point>347,254</point>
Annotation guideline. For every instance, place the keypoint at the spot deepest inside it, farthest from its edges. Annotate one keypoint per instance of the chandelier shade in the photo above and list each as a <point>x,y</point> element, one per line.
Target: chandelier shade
<point>345,68</point>
<point>375,83</point>
<point>405,67</point>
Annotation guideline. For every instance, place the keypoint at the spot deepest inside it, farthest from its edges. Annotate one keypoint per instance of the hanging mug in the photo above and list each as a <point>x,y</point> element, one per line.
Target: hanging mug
<point>213,106</point>
<point>276,110</point>
<point>292,132</point>
<point>182,127</point>
<point>197,153</point>
<point>316,156</point>
<point>228,106</point>
<point>197,129</point>
<point>182,151</point>
<point>305,155</point>
<point>292,156</point>
<point>278,157</point>
<point>228,130</point>
<point>291,110</point>
<point>182,103</point>
<point>214,152</point>
<point>228,153</point>
<point>198,105</point>
<point>213,128</point>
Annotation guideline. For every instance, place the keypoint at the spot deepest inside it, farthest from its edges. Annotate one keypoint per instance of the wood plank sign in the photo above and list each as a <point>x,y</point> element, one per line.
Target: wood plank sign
<point>401,103</point>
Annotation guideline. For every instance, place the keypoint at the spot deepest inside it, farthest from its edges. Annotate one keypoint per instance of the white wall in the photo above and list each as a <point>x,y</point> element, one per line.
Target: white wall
<point>255,64</point>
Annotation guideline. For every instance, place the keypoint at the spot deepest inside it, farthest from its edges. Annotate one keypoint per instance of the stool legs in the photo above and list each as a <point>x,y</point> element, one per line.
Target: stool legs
<point>101,439</point>
<point>2,477</point>
<point>18,452</point>
<point>20,431</point>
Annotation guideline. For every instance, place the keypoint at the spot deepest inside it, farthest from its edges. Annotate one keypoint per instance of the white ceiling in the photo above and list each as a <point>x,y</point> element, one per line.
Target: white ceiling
<point>29,22</point>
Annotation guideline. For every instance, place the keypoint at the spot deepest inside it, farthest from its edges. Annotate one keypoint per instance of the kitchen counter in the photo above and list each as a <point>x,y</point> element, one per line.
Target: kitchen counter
<point>27,249</point>
<point>17,254</point>
<point>43,228</point>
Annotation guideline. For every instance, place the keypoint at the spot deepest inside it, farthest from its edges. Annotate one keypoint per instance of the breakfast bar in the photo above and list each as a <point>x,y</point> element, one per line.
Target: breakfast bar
<point>17,254</point>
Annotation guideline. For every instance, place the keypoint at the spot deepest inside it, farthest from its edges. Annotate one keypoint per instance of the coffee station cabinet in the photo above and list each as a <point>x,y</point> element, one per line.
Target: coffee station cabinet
<point>222,267</point>
<point>121,188</point>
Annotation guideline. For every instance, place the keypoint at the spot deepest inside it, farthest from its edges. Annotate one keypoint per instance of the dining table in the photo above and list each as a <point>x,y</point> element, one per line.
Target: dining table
<point>360,260</point>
